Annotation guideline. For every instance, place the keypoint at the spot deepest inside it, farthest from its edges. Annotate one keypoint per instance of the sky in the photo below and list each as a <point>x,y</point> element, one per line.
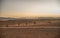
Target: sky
<point>30,8</point>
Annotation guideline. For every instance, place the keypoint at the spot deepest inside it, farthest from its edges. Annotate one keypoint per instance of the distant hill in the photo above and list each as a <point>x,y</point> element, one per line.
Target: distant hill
<point>49,17</point>
<point>6,18</point>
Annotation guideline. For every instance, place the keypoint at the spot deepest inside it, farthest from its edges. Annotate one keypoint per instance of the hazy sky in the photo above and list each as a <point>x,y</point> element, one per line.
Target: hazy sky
<point>30,8</point>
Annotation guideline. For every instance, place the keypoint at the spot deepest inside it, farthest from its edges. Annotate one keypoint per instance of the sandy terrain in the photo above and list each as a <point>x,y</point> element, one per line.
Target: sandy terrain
<point>29,32</point>
<point>29,23</point>
<point>30,29</point>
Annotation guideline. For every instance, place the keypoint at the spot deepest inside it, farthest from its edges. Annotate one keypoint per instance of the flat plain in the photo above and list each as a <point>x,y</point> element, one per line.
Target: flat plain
<point>30,28</point>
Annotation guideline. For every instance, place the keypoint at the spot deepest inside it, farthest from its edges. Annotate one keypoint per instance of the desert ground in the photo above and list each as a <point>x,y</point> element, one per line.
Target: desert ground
<point>30,28</point>
<point>29,23</point>
<point>29,32</point>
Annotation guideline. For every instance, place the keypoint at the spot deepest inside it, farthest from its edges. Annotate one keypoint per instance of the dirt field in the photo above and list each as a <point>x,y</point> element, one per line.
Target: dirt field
<point>30,29</point>
<point>29,32</point>
<point>29,23</point>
